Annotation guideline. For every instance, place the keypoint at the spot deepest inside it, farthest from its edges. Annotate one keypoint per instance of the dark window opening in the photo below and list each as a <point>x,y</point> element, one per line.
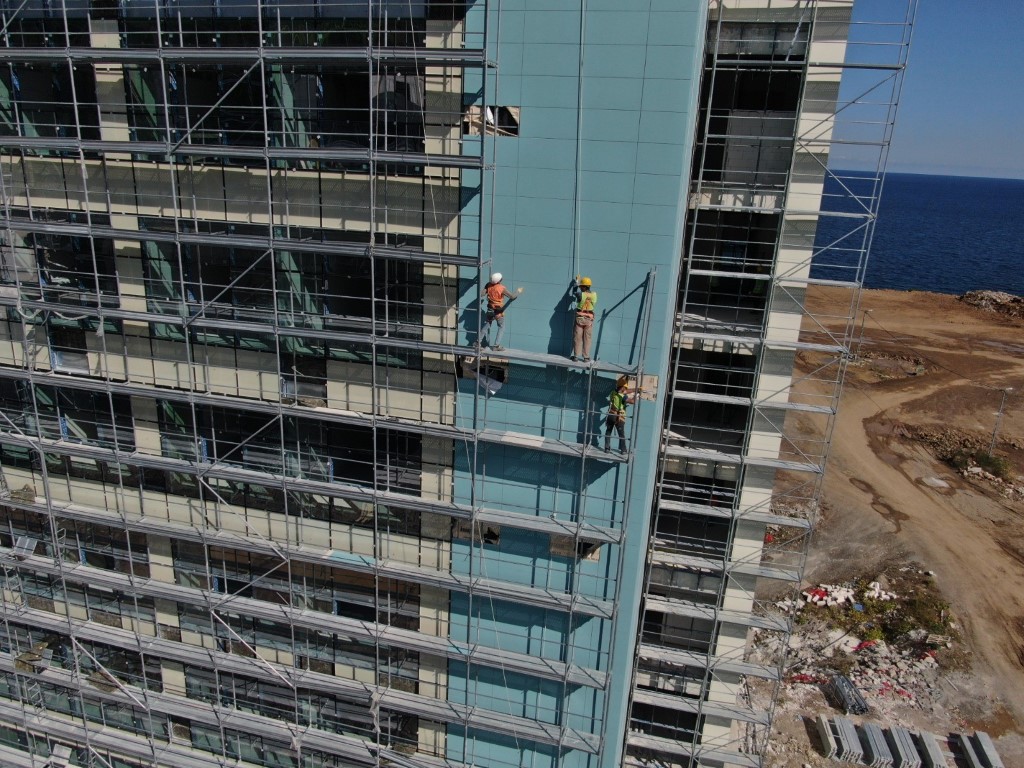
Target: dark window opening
<point>44,99</point>
<point>75,270</point>
<point>715,373</point>
<point>491,120</point>
<point>486,533</point>
<point>733,242</point>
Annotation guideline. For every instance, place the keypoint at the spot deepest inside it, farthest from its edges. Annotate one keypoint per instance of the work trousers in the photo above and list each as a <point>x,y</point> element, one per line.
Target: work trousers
<point>617,422</point>
<point>494,318</point>
<point>582,330</point>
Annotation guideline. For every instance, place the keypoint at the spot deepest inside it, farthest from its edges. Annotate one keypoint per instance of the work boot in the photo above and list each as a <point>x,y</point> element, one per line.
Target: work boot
<point>572,357</point>
<point>607,445</point>
<point>498,348</point>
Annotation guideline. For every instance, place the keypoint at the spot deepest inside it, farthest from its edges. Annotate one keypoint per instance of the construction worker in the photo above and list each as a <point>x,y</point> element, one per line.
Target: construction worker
<point>584,300</point>
<point>620,397</point>
<point>495,293</point>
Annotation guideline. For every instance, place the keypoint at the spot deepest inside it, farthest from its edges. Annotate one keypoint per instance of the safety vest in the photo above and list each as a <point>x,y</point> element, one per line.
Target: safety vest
<point>495,295</point>
<point>617,402</point>
<point>587,302</point>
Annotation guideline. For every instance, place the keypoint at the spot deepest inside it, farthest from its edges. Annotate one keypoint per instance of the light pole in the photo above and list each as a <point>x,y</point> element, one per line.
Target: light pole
<point>860,336</point>
<point>999,417</point>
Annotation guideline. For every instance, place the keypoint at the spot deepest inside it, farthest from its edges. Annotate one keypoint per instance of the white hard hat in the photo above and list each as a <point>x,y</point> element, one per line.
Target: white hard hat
<point>496,277</point>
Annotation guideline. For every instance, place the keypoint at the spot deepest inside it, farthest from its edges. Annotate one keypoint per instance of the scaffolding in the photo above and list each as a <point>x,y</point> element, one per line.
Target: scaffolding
<point>236,396</point>
<point>778,235</point>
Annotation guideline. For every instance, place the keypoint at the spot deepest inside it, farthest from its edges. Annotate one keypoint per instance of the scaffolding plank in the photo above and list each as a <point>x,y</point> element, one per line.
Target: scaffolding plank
<point>714,755</point>
<point>333,415</point>
<point>169,151</point>
<point>513,354</point>
<point>796,346</point>
<point>683,658</point>
<point>703,454</point>
<point>243,55</point>
<point>120,742</point>
<point>676,560</point>
<point>705,397</point>
<point>208,658</point>
<point>309,619</point>
<point>728,513</point>
<point>711,613</point>
<point>425,706</point>
<point>233,472</point>
<point>700,706</point>
<point>399,253</point>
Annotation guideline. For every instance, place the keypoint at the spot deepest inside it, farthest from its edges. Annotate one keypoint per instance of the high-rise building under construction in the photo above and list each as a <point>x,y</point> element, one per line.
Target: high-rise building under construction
<point>267,501</point>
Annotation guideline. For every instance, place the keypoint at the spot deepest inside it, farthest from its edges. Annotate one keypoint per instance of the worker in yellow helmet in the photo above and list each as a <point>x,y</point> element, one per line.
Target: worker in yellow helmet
<point>584,301</point>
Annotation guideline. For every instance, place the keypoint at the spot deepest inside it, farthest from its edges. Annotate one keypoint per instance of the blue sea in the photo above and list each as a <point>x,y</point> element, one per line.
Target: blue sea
<point>948,234</point>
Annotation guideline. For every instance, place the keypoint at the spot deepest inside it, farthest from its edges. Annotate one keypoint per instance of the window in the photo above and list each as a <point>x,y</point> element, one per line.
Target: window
<point>568,546</point>
<point>43,94</point>
<point>94,418</point>
<point>75,270</point>
<point>495,121</point>
<point>68,352</point>
<point>486,533</point>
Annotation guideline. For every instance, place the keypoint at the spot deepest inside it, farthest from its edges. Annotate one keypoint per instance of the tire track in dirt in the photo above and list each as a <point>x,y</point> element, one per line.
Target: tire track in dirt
<point>882,507</point>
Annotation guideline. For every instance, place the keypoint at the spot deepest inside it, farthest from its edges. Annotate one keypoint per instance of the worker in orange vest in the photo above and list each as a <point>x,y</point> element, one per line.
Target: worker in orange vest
<point>495,293</point>
<point>584,301</point>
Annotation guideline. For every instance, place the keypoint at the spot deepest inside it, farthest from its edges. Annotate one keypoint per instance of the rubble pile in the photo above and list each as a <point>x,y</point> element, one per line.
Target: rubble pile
<point>1006,489</point>
<point>962,450</point>
<point>888,671</point>
<point>834,594</point>
<point>996,301</point>
<point>945,442</point>
<point>881,634</point>
<point>875,592</point>
<point>879,670</point>
<point>828,594</point>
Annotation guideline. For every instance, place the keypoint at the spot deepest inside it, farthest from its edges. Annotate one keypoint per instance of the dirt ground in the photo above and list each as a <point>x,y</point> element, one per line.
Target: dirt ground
<point>929,378</point>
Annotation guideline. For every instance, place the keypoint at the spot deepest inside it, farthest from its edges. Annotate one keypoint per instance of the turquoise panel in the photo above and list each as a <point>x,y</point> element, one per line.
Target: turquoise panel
<point>594,184</point>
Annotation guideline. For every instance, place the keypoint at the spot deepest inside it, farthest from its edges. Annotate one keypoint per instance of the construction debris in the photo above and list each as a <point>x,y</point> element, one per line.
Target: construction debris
<point>845,695</point>
<point>835,594</point>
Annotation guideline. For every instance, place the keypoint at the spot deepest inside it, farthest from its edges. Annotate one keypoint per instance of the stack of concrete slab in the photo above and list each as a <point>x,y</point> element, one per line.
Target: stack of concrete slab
<point>848,741</point>
<point>868,744</point>
<point>931,755</point>
<point>969,755</point>
<point>904,751</point>
<point>876,750</point>
<point>986,750</point>
<point>827,736</point>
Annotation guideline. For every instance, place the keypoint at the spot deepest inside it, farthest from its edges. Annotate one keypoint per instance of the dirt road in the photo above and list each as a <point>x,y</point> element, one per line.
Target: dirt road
<point>933,365</point>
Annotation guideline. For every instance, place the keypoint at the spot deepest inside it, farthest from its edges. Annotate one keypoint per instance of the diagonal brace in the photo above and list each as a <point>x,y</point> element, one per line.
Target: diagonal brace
<point>210,111</point>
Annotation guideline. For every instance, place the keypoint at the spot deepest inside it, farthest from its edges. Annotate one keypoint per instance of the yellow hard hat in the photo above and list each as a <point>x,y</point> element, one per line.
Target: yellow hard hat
<point>586,282</point>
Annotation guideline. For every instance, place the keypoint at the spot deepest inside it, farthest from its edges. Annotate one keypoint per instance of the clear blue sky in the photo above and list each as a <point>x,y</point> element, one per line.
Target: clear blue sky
<point>962,110</point>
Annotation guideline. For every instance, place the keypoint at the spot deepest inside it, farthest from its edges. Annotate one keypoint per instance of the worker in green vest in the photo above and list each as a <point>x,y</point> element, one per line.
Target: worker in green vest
<point>584,301</point>
<point>620,397</point>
